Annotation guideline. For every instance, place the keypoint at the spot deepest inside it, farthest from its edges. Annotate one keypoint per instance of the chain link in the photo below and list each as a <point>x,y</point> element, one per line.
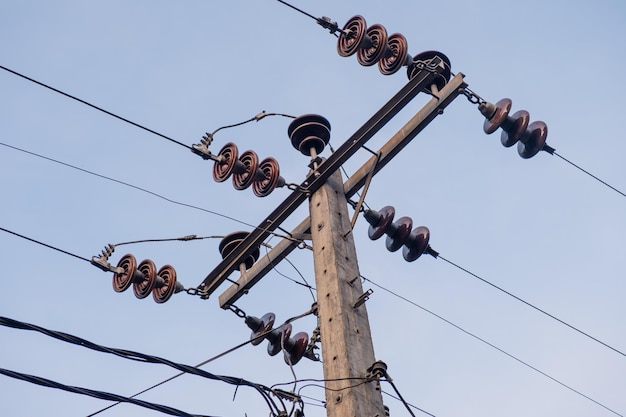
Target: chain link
<point>239,312</point>
<point>472,97</point>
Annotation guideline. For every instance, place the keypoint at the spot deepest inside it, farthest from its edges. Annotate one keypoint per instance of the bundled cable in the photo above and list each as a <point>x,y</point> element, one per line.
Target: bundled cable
<point>96,394</point>
<point>141,357</point>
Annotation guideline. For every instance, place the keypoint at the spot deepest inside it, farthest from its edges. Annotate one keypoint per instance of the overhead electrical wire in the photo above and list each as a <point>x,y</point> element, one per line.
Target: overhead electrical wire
<point>141,357</point>
<point>160,196</point>
<point>413,303</point>
<point>96,394</point>
<point>56,90</point>
<point>532,306</point>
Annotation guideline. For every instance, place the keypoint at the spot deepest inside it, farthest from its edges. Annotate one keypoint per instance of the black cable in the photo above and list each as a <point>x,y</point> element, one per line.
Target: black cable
<point>96,394</point>
<point>45,244</point>
<point>590,174</point>
<point>95,107</point>
<point>140,357</point>
<point>491,345</point>
<point>531,305</point>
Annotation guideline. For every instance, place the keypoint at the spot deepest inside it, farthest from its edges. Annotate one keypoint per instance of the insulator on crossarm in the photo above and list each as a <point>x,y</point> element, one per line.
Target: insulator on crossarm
<point>309,134</point>
<point>425,61</point>
<point>230,242</point>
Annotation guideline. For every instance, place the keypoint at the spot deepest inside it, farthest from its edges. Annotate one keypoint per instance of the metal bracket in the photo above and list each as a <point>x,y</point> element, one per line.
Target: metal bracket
<point>363,298</point>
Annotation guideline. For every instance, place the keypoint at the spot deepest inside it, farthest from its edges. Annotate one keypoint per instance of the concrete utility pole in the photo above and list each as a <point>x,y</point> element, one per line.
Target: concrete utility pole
<point>347,348</point>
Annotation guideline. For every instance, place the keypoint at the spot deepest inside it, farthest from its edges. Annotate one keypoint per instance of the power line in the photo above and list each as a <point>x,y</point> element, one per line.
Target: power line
<point>96,394</point>
<point>590,174</point>
<point>532,306</point>
<point>95,107</point>
<point>491,345</point>
<point>160,196</point>
<point>45,244</point>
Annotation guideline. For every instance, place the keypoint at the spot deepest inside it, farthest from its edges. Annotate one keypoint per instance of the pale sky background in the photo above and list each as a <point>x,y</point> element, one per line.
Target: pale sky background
<point>538,228</point>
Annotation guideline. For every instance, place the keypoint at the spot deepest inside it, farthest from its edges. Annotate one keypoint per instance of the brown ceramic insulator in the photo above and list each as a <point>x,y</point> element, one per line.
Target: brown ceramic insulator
<point>398,233</point>
<point>260,326</point>
<point>502,109</point>
<point>309,131</point>
<point>352,37</point>
<point>379,221</point>
<point>277,338</point>
<point>371,53</point>
<point>270,180</point>
<point>122,281</point>
<point>416,244</point>
<point>514,128</point>
<point>295,348</point>
<point>245,178</point>
<point>167,284</point>
<point>231,241</point>
<point>143,288</point>
<point>396,55</point>
<point>533,140</point>
<point>426,58</point>
<point>223,169</point>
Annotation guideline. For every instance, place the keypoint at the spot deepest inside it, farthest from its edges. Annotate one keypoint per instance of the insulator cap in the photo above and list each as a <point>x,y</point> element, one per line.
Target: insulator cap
<point>379,221</point>
<point>244,179</point>
<point>398,233</point>
<point>260,326</point>
<point>143,288</point>
<point>295,348</point>
<point>352,36</point>
<point>271,178</point>
<point>515,128</point>
<point>416,244</point>
<point>309,131</point>
<point>230,242</point>
<point>170,285</point>
<point>500,113</point>
<point>533,140</point>
<point>370,53</point>
<point>396,55</point>
<point>227,160</point>
<point>425,59</point>
<point>122,281</point>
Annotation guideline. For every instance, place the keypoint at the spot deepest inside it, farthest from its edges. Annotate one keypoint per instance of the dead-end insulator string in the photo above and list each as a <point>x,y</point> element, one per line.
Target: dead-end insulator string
<point>517,129</point>
<point>415,243</point>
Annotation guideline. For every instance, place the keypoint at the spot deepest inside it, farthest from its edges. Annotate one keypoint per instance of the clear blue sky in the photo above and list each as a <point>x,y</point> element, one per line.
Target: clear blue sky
<point>538,228</point>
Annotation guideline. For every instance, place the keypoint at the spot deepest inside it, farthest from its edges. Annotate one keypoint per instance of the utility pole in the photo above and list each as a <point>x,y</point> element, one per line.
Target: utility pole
<point>347,348</point>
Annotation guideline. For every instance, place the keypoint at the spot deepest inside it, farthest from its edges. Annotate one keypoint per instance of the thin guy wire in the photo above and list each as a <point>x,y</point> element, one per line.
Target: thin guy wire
<point>45,244</point>
<point>531,305</point>
<point>491,345</point>
<point>591,175</point>
<point>96,107</point>
<point>145,191</point>
<point>96,394</point>
<point>406,403</point>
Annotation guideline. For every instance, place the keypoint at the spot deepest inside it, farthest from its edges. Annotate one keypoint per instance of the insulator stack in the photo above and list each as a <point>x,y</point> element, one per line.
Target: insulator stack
<point>399,233</point>
<point>230,242</point>
<point>146,279</point>
<point>247,171</point>
<point>372,45</point>
<point>279,338</point>
<point>309,134</point>
<point>530,138</point>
